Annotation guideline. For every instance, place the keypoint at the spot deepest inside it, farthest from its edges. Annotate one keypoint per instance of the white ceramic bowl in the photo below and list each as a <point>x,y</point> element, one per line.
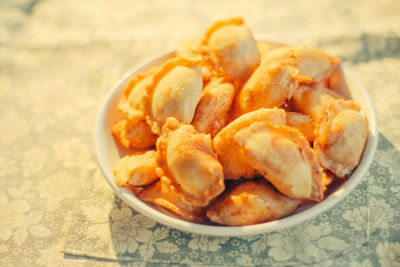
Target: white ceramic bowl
<point>109,152</point>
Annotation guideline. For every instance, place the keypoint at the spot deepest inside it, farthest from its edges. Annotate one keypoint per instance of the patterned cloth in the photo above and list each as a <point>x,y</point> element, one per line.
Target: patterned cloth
<point>58,61</point>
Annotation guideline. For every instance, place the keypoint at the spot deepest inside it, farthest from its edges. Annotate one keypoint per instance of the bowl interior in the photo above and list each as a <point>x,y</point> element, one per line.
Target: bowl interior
<point>108,152</point>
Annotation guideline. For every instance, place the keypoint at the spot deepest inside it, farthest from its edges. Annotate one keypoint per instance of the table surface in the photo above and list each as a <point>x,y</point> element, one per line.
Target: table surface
<point>58,61</point>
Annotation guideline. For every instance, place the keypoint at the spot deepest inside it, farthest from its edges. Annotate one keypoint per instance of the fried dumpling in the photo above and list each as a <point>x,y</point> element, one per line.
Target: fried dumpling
<point>340,137</point>
<point>164,194</point>
<point>232,48</point>
<point>194,49</point>
<point>337,83</point>
<point>302,122</point>
<point>251,203</point>
<point>131,102</point>
<point>138,169</point>
<point>134,133</point>
<point>187,158</point>
<point>175,92</point>
<point>229,152</point>
<point>310,61</point>
<point>213,109</point>
<point>283,156</point>
<point>270,85</point>
<point>311,100</point>
<point>279,74</point>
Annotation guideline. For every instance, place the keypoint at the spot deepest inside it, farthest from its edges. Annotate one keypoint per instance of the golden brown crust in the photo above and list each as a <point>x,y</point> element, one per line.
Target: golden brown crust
<point>219,24</point>
<point>283,156</point>
<point>270,85</point>
<point>137,169</point>
<point>232,48</point>
<point>187,159</point>
<point>274,81</point>
<point>311,100</point>
<point>179,100</point>
<point>340,137</point>
<point>304,123</point>
<point>229,153</point>
<point>133,133</point>
<point>311,62</point>
<point>131,102</point>
<point>251,203</point>
<point>164,194</point>
<point>194,49</point>
<point>212,112</point>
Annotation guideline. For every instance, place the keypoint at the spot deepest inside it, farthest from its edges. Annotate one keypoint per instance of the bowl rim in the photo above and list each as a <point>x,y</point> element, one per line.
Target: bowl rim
<point>197,228</point>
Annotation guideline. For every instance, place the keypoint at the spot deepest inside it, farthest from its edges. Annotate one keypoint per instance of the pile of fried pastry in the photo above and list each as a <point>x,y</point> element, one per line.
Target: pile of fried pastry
<point>237,132</point>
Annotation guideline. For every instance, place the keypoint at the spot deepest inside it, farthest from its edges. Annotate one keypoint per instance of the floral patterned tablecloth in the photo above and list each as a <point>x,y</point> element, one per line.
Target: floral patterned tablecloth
<point>58,61</point>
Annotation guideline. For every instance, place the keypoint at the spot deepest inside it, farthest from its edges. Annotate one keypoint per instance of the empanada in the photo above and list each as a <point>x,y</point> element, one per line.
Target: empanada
<point>229,152</point>
<point>138,169</point>
<point>213,109</point>
<point>283,156</point>
<point>134,133</point>
<point>274,81</point>
<point>175,92</point>
<point>251,203</point>
<point>311,100</point>
<point>164,194</point>
<point>232,48</point>
<point>187,158</point>
<point>310,61</point>
<point>270,85</point>
<point>340,137</point>
<point>131,102</point>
